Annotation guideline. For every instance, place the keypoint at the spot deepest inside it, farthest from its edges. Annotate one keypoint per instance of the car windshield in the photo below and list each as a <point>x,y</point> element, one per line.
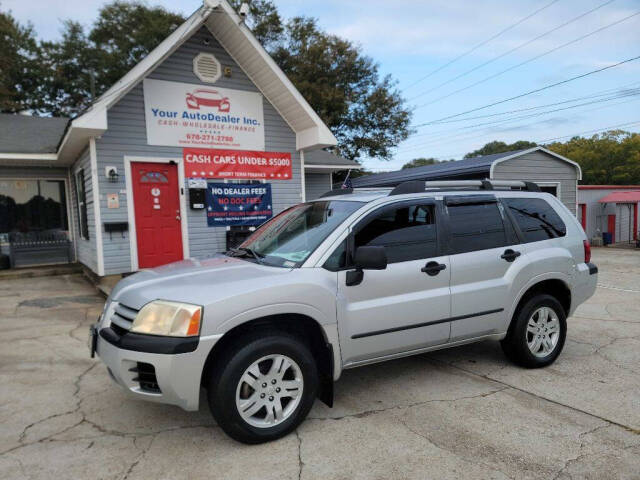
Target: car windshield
<point>288,239</point>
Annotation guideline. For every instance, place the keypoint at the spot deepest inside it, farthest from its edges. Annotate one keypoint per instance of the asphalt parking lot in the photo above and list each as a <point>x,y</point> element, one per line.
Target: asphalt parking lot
<point>460,413</point>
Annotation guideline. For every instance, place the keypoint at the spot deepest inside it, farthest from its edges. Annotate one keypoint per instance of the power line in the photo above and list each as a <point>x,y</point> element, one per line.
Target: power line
<point>473,49</point>
<point>541,142</point>
<point>460,136</point>
<point>593,95</point>
<point>530,92</point>
<point>522,45</point>
<point>625,94</point>
<point>490,77</point>
<point>628,124</point>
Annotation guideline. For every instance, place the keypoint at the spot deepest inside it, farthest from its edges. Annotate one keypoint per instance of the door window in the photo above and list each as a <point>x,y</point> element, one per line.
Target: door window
<point>407,233</point>
<point>476,226</point>
<point>536,218</point>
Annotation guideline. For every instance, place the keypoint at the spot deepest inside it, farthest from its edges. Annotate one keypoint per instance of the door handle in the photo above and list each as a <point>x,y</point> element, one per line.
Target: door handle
<point>510,255</point>
<point>177,217</point>
<point>433,268</point>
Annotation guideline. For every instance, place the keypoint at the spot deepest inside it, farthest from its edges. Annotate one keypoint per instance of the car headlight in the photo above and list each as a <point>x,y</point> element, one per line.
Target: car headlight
<point>174,319</point>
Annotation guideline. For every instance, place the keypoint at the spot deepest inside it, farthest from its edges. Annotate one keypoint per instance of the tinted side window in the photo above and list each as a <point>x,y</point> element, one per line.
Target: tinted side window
<point>536,218</point>
<point>476,226</point>
<point>406,233</point>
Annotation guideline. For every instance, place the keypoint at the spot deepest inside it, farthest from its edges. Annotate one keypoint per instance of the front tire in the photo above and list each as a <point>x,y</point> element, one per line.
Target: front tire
<point>537,333</point>
<point>265,388</point>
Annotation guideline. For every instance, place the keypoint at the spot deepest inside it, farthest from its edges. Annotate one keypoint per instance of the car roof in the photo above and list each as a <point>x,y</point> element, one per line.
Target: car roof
<point>368,196</point>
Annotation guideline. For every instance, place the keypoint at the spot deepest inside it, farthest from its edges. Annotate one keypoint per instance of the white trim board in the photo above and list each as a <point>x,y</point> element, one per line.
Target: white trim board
<point>303,191</point>
<point>29,156</point>
<point>184,227</point>
<point>95,184</point>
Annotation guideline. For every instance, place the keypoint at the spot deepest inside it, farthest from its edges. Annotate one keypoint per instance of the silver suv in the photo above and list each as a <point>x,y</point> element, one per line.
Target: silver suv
<point>346,280</point>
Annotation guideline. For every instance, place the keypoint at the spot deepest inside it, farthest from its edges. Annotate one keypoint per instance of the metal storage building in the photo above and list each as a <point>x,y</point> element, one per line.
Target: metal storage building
<point>618,217</point>
<point>552,172</point>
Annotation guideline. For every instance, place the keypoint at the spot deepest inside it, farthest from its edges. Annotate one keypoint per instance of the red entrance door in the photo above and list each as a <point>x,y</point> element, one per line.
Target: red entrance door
<point>157,211</point>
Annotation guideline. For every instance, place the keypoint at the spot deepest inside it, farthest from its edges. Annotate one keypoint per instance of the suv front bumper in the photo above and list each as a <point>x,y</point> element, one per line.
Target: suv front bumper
<point>178,375</point>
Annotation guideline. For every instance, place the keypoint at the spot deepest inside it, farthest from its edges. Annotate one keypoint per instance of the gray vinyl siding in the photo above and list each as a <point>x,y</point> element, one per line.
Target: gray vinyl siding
<point>126,135</point>
<point>316,184</point>
<point>539,166</point>
<point>86,249</point>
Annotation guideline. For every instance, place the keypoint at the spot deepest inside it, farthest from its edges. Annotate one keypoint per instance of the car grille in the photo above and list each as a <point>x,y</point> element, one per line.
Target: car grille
<point>122,318</point>
<point>146,377</point>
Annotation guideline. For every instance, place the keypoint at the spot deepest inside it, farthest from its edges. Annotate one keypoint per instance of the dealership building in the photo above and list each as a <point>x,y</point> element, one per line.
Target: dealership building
<point>200,142</point>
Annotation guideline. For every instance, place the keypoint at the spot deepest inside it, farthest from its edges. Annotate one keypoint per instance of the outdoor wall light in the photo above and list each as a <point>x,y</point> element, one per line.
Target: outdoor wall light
<point>112,174</point>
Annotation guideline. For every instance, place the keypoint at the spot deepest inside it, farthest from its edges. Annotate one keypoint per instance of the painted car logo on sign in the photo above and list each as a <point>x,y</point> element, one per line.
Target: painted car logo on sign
<point>207,98</point>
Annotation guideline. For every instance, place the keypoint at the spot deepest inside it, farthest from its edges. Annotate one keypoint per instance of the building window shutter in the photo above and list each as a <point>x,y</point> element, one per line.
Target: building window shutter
<point>81,200</point>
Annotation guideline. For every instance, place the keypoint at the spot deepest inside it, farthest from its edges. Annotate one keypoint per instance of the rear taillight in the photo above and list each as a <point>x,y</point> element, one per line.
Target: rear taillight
<point>587,251</point>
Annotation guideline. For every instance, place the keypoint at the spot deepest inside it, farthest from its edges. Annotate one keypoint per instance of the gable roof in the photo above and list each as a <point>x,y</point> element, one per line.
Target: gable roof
<point>236,38</point>
<point>476,166</point>
<point>30,135</point>
<point>321,158</point>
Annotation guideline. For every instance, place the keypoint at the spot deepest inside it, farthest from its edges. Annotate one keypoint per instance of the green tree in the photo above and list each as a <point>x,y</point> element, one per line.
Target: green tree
<point>264,21</point>
<point>125,33</point>
<point>611,157</point>
<point>500,147</point>
<point>71,65</point>
<point>421,162</point>
<point>20,70</point>
<point>365,112</point>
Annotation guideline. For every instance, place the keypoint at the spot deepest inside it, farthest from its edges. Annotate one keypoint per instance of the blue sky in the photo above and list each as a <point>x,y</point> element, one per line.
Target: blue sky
<point>411,39</point>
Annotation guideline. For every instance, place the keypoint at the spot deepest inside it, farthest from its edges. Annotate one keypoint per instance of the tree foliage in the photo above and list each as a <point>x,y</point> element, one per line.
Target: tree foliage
<point>421,162</point>
<point>500,147</point>
<point>19,67</point>
<point>611,157</point>
<point>363,109</point>
<point>365,112</point>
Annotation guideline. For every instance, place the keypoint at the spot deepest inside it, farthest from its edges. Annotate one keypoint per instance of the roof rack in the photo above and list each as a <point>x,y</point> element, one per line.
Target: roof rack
<point>337,191</point>
<point>419,186</point>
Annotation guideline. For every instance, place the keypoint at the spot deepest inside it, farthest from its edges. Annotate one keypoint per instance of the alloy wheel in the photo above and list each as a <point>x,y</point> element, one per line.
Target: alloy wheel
<point>543,331</point>
<point>269,391</point>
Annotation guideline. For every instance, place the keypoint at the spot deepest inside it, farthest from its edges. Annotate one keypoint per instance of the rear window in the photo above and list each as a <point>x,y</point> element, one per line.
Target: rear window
<point>536,218</point>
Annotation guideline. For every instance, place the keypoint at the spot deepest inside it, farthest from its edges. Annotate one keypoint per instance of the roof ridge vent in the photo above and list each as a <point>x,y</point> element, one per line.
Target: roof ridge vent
<point>207,67</point>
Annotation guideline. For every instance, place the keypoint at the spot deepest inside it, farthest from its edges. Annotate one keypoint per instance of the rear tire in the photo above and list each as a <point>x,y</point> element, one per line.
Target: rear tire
<point>537,332</point>
<point>265,387</point>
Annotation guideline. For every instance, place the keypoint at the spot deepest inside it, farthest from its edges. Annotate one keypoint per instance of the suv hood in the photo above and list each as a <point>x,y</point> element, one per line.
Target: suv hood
<point>194,281</point>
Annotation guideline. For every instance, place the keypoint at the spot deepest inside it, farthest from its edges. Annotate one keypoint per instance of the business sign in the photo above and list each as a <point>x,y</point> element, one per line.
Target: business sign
<point>207,163</point>
<point>238,204</point>
<point>188,115</point>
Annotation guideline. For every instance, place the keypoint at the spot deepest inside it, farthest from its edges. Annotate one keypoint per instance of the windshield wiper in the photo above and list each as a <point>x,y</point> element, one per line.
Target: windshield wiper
<point>244,251</point>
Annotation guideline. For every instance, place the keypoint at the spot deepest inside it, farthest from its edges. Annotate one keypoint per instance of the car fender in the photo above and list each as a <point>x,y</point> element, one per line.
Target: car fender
<point>531,282</point>
<point>328,325</point>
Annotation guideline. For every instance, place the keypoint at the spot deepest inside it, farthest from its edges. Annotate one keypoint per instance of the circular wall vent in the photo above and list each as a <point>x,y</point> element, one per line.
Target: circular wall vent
<point>207,67</point>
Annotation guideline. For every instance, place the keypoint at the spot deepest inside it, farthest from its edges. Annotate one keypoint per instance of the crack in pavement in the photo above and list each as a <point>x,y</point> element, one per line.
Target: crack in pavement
<point>454,453</point>
<point>367,413</point>
<point>556,402</point>
<point>300,462</point>
<point>581,455</point>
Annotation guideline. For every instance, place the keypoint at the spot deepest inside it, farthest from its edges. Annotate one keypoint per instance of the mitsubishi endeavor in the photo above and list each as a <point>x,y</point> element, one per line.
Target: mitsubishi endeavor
<point>352,278</point>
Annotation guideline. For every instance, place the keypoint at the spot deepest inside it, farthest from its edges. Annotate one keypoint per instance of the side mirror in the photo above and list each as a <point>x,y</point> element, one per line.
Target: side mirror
<point>366,258</point>
<point>370,258</point>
